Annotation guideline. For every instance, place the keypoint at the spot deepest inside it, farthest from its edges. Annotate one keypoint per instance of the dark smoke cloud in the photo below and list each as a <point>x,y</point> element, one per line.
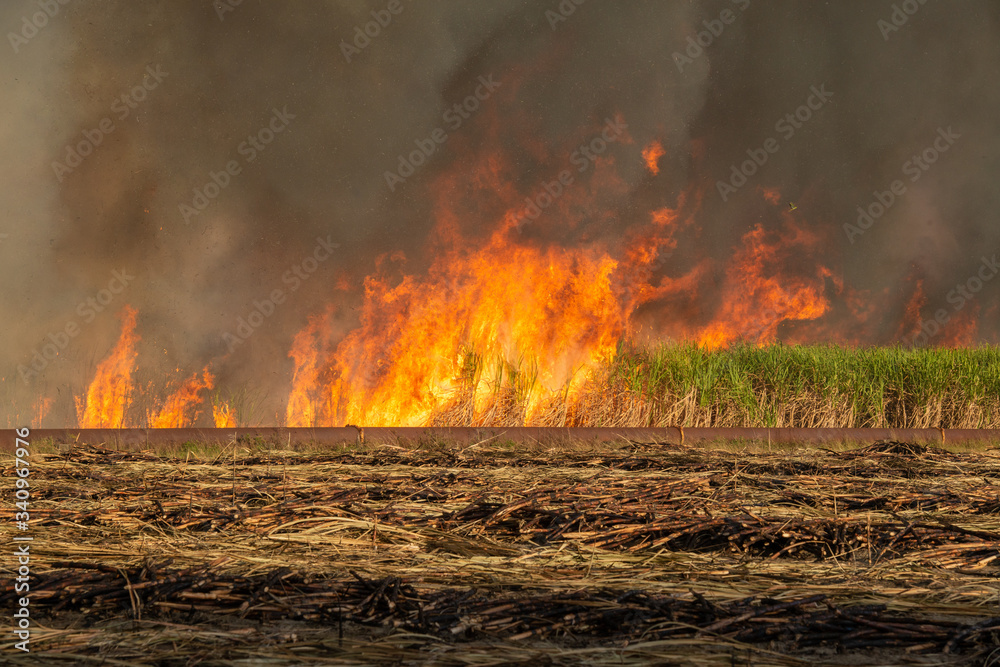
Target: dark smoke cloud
<point>324,175</point>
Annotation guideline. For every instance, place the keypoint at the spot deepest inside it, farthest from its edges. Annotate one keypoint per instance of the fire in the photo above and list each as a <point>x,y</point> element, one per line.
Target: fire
<point>652,154</point>
<point>524,295</point>
<point>648,248</point>
<point>302,410</point>
<point>507,314</point>
<point>110,393</point>
<point>183,402</point>
<point>772,195</point>
<point>497,308</point>
<point>223,415</point>
<point>41,409</point>
<point>962,330</point>
<point>547,307</point>
<point>759,294</point>
<point>910,326</point>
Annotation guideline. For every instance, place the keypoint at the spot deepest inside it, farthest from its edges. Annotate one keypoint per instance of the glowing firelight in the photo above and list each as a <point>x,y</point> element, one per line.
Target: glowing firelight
<point>652,154</point>
<point>505,318</point>
<point>501,301</point>
<point>111,391</point>
<point>910,325</point>
<point>181,407</point>
<point>758,296</point>
<point>41,409</point>
<point>223,415</point>
<point>505,315</point>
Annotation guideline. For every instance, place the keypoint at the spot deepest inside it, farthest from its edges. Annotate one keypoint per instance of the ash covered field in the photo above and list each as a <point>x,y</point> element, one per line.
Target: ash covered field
<point>496,553</point>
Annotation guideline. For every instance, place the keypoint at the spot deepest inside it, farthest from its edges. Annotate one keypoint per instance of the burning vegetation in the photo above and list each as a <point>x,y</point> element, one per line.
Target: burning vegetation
<point>559,204</point>
<point>111,392</point>
<point>504,328</point>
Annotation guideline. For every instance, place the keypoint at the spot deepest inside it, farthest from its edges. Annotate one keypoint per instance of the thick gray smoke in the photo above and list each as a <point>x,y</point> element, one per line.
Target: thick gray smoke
<point>203,223</point>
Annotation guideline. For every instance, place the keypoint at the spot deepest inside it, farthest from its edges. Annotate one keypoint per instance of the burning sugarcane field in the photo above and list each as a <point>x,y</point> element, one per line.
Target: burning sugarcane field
<point>531,332</point>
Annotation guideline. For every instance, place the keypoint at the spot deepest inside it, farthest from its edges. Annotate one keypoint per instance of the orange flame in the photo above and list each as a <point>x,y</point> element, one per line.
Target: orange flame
<point>187,398</point>
<point>556,308</point>
<point>772,195</point>
<point>652,154</point>
<point>41,409</point>
<point>110,392</point>
<point>494,306</point>
<point>507,302</point>
<point>301,409</point>
<point>962,330</point>
<point>760,294</point>
<point>223,415</point>
<point>910,326</point>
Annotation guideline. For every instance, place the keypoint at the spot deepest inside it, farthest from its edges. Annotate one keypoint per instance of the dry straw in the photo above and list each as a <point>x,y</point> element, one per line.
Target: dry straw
<point>596,554</point>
